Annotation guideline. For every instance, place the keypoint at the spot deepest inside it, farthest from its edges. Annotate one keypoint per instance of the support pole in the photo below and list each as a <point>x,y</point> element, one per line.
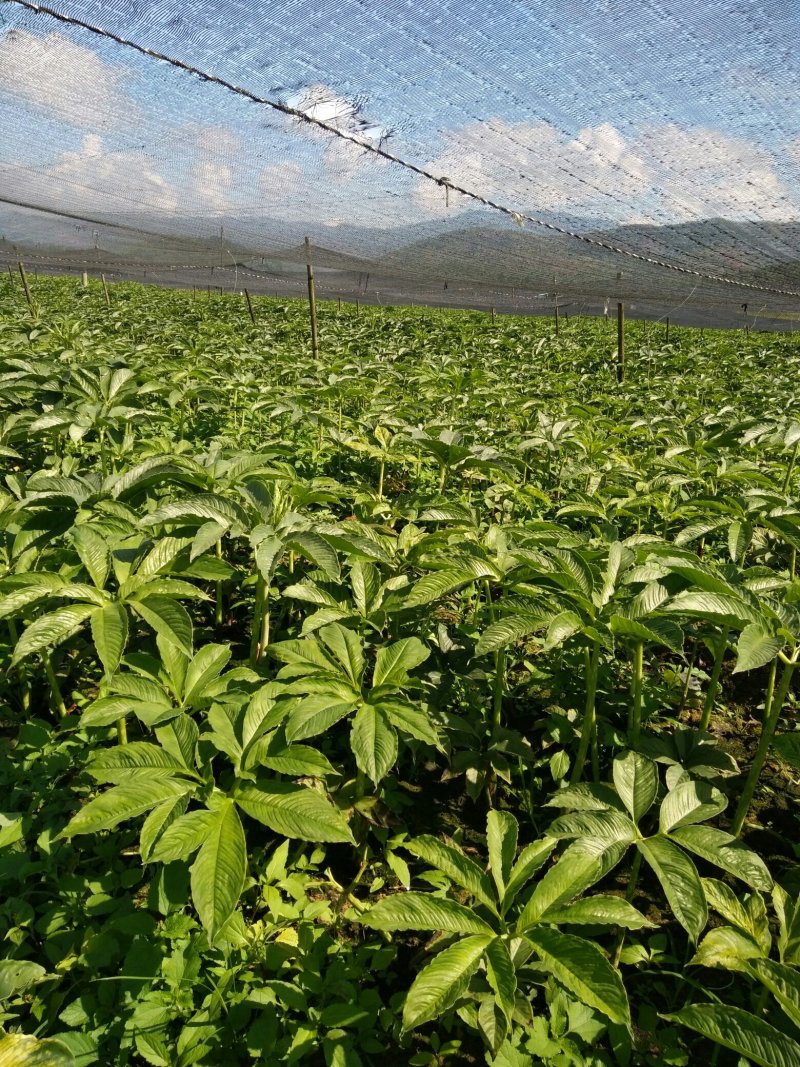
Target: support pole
<point>312,301</point>
<point>667,329</point>
<point>85,279</point>
<point>250,307</point>
<point>555,311</point>
<point>493,316</point>
<point>620,341</point>
<point>26,287</point>
<point>105,290</point>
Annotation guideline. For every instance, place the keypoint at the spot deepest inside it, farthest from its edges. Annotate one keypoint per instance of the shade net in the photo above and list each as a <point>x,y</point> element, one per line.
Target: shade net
<point>498,153</point>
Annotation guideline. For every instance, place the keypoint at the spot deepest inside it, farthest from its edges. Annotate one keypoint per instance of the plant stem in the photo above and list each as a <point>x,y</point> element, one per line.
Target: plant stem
<point>218,609</point>
<point>773,706</point>
<point>55,690</point>
<point>380,479</point>
<point>122,732</point>
<point>635,710</point>
<point>499,688</point>
<point>790,468</point>
<point>630,892</point>
<point>713,684</point>
<point>588,721</point>
<point>257,621</point>
<point>685,689</point>
<point>25,687</point>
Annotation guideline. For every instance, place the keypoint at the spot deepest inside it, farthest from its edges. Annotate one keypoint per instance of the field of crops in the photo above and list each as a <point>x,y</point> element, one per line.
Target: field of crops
<point>429,702</point>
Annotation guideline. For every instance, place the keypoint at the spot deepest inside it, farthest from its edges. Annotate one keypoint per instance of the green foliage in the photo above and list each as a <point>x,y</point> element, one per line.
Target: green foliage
<point>286,641</point>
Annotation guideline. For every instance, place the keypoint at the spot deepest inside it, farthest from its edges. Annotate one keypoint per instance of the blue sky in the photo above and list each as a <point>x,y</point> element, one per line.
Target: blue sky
<point>603,110</point>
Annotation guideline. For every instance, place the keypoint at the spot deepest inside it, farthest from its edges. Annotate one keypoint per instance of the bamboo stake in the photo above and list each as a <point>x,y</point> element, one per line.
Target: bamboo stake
<point>85,279</point>
<point>556,317</point>
<point>620,341</point>
<point>26,287</point>
<point>493,315</point>
<point>250,306</point>
<point>105,290</point>
<point>312,301</point>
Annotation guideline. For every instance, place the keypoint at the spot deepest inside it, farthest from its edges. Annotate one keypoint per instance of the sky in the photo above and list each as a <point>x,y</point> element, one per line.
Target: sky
<point>596,113</point>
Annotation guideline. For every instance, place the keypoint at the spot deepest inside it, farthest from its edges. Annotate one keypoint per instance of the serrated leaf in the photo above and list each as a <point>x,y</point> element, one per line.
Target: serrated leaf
<point>680,882</point>
<point>601,910</point>
<point>110,634</point>
<point>51,629</point>
<point>583,969</point>
<point>636,781</point>
<point>741,1032</point>
<point>316,548</point>
<point>714,607</point>
<point>294,811</point>
<point>459,868</point>
<point>94,553</point>
<point>122,802</point>
<point>139,759</point>
<point>394,662</point>
<point>22,1050</point>
<point>501,975</point>
<point>423,911</point>
<point>725,851</point>
<point>530,860</point>
<point>168,618</point>
<point>690,802</point>
<point>581,865</point>
<point>725,947</point>
<point>218,873</point>
<point>445,979</point>
<point>373,742</point>
<point>207,665</point>
<point>782,981</point>
<point>184,836</point>
<point>506,631</point>
<point>756,647</point>
<point>502,832</point>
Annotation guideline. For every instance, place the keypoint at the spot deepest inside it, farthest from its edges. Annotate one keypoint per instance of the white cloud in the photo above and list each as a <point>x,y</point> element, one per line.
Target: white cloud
<point>211,174</point>
<point>665,173</point>
<point>64,79</point>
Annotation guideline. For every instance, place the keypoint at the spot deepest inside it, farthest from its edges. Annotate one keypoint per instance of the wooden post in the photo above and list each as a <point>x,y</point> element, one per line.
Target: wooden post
<point>492,315</point>
<point>358,308</point>
<point>250,306</point>
<point>340,303</point>
<point>85,279</point>
<point>105,290</point>
<point>620,341</point>
<point>667,329</point>
<point>556,316</point>
<point>26,287</point>
<point>312,301</point>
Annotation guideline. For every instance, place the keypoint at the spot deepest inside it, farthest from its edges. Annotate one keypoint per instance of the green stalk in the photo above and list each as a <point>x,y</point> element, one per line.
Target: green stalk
<point>499,688</point>
<point>442,478</point>
<point>790,468</point>
<point>635,709</point>
<point>773,706</point>
<point>25,686</point>
<point>713,684</point>
<point>122,732</point>
<point>630,892</point>
<point>256,622</point>
<point>588,721</point>
<point>380,479</point>
<point>55,690</point>
<point>218,608</point>
<point>685,690</point>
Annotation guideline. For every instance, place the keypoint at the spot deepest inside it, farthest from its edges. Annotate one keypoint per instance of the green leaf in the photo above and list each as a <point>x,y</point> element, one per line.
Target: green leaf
<point>713,607</point>
<point>206,666</point>
<point>51,629</point>
<point>741,1032</point>
<point>22,1050</point>
<point>294,760</point>
<point>183,837</point>
<point>561,628</point>
<point>18,976</point>
<point>725,947</point>
<point>756,647</point>
<point>294,811</point>
<point>690,802</point>
<point>583,969</point>
<point>788,747</point>
<point>581,865</point>
<point>530,860</point>
<point>725,851</point>
<point>423,911</point>
<point>94,553</point>
<point>162,816</point>
<point>168,618</point>
<point>748,913</point>
<point>122,802</point>
<point>636,781</point>
<point>345,646</point>
<point>374,742</point>
<point>740,535</point>
<point>445,979</point>
<point>502,832</point>
<point>411,720</point>
<point>599,910</point>
<point>219,871</point>
<point>680,881</point>
<point>134,762</point>
<point>437,585</point>
<point>314,715</point>
<point>782,981</point>
<point>393,662</point>
<point>110,634</point>
<point>501,975</point>
<point>316,548</point>
<point>459,868</point>
<point>506,631</point>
